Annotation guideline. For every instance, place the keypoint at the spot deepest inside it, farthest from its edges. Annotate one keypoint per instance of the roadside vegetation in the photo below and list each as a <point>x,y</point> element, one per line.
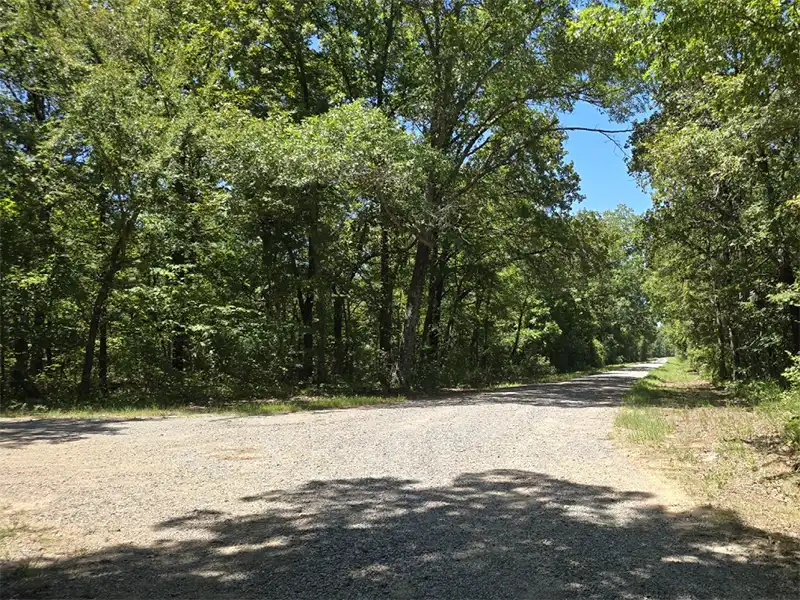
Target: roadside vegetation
<point>311,400</point>
<point>209,204</point>
<point>734,446</point>
<point>252,407</point>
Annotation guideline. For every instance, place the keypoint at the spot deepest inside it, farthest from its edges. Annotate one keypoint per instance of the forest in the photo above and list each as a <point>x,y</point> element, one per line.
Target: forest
<point>210,200</point>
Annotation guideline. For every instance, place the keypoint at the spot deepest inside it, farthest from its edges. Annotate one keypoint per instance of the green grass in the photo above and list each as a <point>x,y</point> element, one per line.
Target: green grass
<point>674,385</point>
<point>267,407</point>
<point>643,425</point>
<point>640,419</point>
<point>313,403</point>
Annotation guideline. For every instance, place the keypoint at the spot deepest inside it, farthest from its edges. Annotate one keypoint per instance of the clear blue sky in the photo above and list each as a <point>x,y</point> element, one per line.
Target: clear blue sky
<point>601,164</point>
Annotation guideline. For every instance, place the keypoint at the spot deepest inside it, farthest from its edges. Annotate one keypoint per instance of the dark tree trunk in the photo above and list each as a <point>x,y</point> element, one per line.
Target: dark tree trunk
<point>786,276</point>
<point>322,334</point>
<point>102,355</point>
<point>735,356</point>
<point>40,339</point>
<point>338,328</point>
<point>722,346</point>
<point>432,279</point>
<point>385,317</point>
<point>180,338</point>
<point>348,333</point>
<point>518,333</point>
<point>474,343</point>
<point>306,305</point>
<point>413,303</point>
<point>98,306</point>
<point>433,316</point>
<point>19,372</point>
<point>487,326</point>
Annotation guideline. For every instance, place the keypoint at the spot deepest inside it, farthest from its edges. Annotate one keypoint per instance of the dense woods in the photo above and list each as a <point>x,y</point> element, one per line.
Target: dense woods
<point>207,200</point>
<point>721,154</point>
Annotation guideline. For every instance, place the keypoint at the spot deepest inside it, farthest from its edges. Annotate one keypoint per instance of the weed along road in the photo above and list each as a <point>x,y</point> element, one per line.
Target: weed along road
<point>515,493</point>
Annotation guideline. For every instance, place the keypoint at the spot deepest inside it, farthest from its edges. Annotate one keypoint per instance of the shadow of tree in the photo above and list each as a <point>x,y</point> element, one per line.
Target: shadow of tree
<point>605,389</point>
<point>18,433</point>
<point>498,534</point>
<point>693,394</point>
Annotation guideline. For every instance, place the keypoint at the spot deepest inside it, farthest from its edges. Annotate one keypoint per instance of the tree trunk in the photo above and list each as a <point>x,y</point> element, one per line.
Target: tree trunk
<point>19,372</point>
<point>338,328</point>
<point>518,333</point>
<point>786,276</point>
<point>114,264</point>
<point>413,304</point>
<point>722,347</point>
<point>102,354</point>
<point>735,358</point>
<point>322,334</point>
<point>306,305</point>
<point>385,317</point>
<point>433,316</point>
<point>348,334</point>
<point>474,342</point>
<point>180,338</point>
<point>39,340</point>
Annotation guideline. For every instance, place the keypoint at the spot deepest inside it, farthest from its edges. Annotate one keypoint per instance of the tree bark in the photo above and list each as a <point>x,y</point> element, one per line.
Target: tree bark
<point>387,297</point>
<point>787,277</point>
<point>102,354</point>
<point>19,372</point>
<point>180,338</point>
<point>518,333</point>
<point>338,328</point>
<point>413,304</point>
<point>322,334</point>
<point>722,347</point>
<point>306,305</point>
<point>433,316</point>
<point>114,264</point>
<point>39,341</point>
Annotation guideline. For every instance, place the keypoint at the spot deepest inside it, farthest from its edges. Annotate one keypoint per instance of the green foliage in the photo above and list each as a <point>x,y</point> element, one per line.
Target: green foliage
<point>720,153</point>
<point>205,202</point>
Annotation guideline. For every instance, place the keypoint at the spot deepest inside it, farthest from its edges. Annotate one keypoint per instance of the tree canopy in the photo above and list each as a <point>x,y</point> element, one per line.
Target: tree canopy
<point>209,200</point>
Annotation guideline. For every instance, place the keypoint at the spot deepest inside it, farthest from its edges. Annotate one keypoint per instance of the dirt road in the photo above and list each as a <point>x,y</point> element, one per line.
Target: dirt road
<point>517,493</point>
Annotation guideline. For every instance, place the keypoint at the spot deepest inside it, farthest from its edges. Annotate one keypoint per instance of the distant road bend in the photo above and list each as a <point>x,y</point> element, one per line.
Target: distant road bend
<point>516,493</point>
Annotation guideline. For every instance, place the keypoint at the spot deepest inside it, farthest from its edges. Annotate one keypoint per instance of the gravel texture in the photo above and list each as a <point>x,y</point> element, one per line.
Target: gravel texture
<point>517,493</point>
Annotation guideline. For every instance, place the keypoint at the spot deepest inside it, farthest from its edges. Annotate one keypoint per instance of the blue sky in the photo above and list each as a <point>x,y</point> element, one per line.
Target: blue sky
<point>601,164</point>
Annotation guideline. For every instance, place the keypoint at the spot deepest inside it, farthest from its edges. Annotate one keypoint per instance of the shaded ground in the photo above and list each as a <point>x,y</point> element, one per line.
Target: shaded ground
<point>511,494</point>
<point>23,432</point>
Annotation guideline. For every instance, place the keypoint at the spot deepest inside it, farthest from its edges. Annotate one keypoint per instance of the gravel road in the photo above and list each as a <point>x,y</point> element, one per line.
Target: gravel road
<point>517,493</point>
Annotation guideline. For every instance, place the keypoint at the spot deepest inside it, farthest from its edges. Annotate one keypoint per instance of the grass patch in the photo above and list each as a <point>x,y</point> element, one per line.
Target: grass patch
<point>304,403</point>
<point>730,447</point>
<point>262,407</point>
<point>643,424</point>
<point>675,385</point>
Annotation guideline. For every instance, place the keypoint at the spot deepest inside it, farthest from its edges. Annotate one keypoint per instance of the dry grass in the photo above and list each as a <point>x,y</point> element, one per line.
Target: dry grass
<point>728,449</point>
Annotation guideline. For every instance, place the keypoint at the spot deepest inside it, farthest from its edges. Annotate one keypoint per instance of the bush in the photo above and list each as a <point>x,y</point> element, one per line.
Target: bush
<point>791,399</point>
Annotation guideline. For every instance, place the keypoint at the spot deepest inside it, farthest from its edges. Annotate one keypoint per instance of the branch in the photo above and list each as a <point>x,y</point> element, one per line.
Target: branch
<point>593,129</point>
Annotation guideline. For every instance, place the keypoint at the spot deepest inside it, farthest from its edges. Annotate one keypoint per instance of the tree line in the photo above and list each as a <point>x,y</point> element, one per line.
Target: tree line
<point>207,200</point>
<point>721,152</point>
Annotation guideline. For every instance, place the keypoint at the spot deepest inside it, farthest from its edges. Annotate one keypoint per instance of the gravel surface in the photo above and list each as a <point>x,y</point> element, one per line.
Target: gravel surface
<point>517,493</point>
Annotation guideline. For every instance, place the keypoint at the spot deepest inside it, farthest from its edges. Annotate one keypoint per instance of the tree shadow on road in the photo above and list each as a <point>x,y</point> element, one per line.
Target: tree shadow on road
<point>498,534</point>
<point>21,433</point>
<point>605,389</point>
